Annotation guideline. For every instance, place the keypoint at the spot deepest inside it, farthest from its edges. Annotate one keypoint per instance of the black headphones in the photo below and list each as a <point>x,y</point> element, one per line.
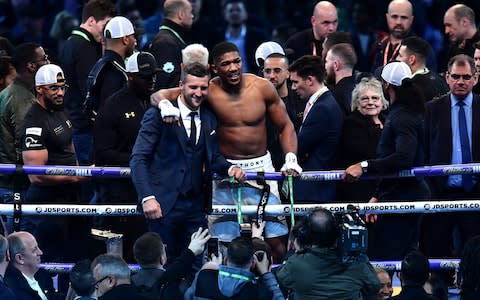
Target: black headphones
<point>308,234</point>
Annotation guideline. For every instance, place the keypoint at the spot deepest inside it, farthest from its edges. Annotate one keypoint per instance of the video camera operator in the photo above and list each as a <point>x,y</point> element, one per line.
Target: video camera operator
<point>322,270</point>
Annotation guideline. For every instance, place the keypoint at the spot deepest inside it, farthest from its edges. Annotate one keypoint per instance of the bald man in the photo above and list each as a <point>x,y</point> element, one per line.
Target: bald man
<point>460,28</point>
<point>399,20</point>
<point>309,42</point>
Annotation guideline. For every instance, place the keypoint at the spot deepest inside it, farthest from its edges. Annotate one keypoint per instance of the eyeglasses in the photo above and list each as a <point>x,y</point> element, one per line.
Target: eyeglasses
<point>100,280</point>
<point>366,98</point>
<point>457,77</point>
<point>56,88</point>
<point>274,70</point>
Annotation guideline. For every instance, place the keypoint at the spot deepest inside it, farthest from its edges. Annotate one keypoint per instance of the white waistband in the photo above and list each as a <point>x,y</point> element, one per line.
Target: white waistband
<point>252,162</point>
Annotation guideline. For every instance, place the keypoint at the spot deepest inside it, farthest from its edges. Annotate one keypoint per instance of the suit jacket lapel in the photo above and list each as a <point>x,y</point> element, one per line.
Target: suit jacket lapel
<point>180,131</point>
<point>475,128</point>
<point>446,112</point>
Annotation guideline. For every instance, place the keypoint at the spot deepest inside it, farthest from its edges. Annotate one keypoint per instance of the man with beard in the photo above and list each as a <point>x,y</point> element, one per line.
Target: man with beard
<point>172,165</point>
<point>399,20</point>
<point>414,51</point>
<point>114,134</point>
<point>108,74</point>
<point>47,140</point>
<point>275,69</point>
<point>339,64</point>
<point>324,21</point>
<point>321,128</point>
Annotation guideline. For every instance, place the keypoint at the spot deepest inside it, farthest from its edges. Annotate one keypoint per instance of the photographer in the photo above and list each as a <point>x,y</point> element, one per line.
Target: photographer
<point>319,272</point>
<point>236,279</point>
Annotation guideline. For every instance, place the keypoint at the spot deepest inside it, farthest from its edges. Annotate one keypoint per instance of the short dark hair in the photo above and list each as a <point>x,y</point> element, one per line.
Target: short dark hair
<point>82,279</point>
<point>337,37</point>
<point>324,228</point>
<point>148,249</point>
<point>23,54</point>
<point>309,65</point>
<point>5,64</point>
<point>261,245</point>
<point>195,69</point>
<point>461,60</point>
<point>222,48</point>
<point>411,95</point>
<point>417,46</point>
<point>346,53</point>
<point>240,252</point>
<point>98,9</point>
<point>415,269</point>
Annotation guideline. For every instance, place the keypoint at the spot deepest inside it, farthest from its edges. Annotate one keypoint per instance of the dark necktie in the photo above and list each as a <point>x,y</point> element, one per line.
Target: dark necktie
<point>467,179</point>
<point>193,129</point>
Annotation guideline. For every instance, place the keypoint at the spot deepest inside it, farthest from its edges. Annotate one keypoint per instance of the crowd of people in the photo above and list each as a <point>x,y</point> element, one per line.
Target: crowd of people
<point>188,101</point>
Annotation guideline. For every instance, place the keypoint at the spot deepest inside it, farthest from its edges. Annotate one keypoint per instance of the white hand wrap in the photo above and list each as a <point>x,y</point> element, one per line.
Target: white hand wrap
<point>168,110</point>
<point>291,163</point>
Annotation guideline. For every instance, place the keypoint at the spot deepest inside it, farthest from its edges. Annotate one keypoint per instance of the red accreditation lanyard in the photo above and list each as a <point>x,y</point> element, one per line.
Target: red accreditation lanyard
<point>387,49</point>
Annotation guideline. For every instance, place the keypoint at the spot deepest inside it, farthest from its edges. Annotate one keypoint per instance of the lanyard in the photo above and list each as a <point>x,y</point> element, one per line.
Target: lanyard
<point>387,49</point>
<point>236,276</point>
<point>82,34</point>
<point>164,27</point>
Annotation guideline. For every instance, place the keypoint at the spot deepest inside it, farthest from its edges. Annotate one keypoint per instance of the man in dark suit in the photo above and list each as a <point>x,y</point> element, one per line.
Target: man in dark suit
<point>112,279</point>
<point>237,31</point>
<point>453,137</point>
<point>171,164</point>
<point>5,292</point>
<point>22,274</point>
<point>321,128</point>
<point>310,41</point>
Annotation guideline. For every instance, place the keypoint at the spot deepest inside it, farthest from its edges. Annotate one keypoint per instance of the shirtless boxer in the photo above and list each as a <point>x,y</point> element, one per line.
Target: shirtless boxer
<point>241,102</point>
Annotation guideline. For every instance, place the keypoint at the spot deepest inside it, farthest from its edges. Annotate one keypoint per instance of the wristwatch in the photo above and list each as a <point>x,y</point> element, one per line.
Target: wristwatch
<point>364,165</point>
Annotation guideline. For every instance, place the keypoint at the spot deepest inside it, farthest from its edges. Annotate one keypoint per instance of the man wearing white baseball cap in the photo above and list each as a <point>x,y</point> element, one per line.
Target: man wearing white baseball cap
<point>108,74</point>
<point>47,140</point>
<point>401,147</point>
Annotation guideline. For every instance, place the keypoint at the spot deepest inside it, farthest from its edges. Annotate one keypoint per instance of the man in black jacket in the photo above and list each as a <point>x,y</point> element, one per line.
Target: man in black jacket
<point>414,273</point>
<point>114,135</point>
<point>172,37</point>
<point>82,49</point>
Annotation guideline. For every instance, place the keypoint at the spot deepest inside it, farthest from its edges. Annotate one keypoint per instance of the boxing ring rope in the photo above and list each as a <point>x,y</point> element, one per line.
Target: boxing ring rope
<point>272,210</point>
<point>435,264</point>
<point>299,209</point>
<point>334,175</point>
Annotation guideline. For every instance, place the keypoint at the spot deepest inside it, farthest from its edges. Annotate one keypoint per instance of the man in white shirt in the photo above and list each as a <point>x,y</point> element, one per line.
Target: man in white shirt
<point>25,262</point>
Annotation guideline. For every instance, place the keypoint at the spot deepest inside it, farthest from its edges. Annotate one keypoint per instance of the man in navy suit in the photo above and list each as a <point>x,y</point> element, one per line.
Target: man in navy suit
<point>445,145</point>
<point>321,128</point>
<point>171,164</point>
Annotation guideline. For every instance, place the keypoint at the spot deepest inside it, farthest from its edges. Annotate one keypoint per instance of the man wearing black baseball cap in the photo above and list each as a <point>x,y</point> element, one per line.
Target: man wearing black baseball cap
<point>114,135</point>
